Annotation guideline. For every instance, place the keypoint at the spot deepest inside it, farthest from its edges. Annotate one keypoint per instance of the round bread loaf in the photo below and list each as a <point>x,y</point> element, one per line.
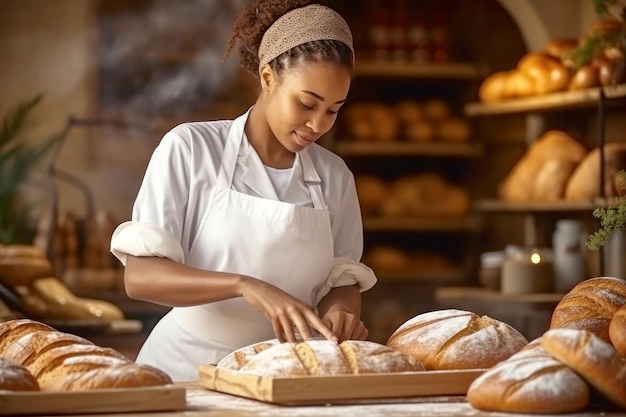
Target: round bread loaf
<point>530,381</point>
<point>617,330</point>
<point>239,357</point>
<point>595,360</point>
<point>456,339</point>
<point>14,377</point>
<point>320,357</point>
<point>12,330</point>
<point>27,348</point>
<point>590,305</point>
<point>126,375</point>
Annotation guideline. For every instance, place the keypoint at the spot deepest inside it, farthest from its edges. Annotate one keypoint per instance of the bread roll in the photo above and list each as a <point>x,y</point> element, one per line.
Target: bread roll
<point>530,381</point>
<point>387,258</point>
<point>584,183</point>
<point>590,305</point>
<point>371,191</point>
<point>586,76</point>
<point>456,339</point>
<point>617,330</point>
<point>494,87</point>
<point>324,357</point>
<point>592,358</point>
<point>14,377</point>
<point>560,47</point>
<point>455,130</point>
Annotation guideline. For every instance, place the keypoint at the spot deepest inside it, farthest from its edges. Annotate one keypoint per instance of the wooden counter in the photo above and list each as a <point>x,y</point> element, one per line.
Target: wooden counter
<point>205,403</point>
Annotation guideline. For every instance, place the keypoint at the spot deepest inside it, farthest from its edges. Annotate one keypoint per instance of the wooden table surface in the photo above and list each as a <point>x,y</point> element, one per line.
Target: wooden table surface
<point>202,402</point>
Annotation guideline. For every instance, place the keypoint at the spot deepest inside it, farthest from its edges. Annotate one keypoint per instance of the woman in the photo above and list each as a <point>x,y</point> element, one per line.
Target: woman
<point>247,227</point>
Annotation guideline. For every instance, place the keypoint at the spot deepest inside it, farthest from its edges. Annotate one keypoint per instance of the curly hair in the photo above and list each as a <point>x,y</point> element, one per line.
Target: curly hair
<point>257,17</point>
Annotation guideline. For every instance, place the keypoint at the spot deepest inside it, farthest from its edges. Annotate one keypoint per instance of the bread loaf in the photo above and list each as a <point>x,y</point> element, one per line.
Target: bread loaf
<point>590,305</point>
<point>617,330</point>
<point>530,381</point>
<point>14,377</point>
<point>21,264</point>
<point>239,357</point>
<point>319,357</point>
<point>592,358</point>
<point>65,362</point>
<point>584,183</point>
<point>456,339</point>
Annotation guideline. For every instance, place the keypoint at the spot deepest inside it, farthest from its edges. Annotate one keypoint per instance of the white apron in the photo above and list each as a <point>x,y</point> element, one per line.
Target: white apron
<point>284,244</point>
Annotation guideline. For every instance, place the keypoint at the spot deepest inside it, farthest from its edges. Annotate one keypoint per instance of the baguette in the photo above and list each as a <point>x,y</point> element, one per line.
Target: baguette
<point>590,305</point>
<point>595,360</point>
<point>530,381</point>
<point>64,362</point>
<point>320,357</point>
<point>456,339</point>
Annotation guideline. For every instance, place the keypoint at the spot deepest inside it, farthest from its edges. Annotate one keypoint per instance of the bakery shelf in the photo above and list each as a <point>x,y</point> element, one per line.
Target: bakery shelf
<point>579,99</point>
<point>499,206</point>
<point>438,276</point>
<point>421,224</point>
<point>449,71</point>
<point>457,150</point>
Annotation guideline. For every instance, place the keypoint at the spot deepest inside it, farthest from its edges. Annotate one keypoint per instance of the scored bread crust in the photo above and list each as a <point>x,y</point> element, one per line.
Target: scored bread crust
<point>595,360</point>
<point>15,377</point>
<point>456,339</point>
<point>590,305</point>
<point>12,330</point>
<point>325,357</point>
<point>530,381</point>
<point>127,375</point>
<point>27,348</point>
<point>239,357</point>
<point>617,330</point>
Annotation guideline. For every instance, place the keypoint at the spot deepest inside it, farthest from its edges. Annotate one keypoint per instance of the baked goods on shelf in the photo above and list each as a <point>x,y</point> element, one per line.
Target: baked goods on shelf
<point>456,339</point>
<point>15,377</point>
<point>595,360</point>
<point>590,305</point>
<point>321,357</point>
<point>584,182</point>
<point>64,362</point>
<point>530,381</point>
<point>22,264</point>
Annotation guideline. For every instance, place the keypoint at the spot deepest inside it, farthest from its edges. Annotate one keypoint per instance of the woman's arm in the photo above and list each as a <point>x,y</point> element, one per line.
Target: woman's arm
<point>163,281</point>
<point>340,310</point>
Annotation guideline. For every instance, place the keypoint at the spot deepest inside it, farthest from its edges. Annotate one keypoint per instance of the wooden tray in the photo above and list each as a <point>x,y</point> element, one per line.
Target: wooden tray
<point>162,398</point>
<point>340,389</point>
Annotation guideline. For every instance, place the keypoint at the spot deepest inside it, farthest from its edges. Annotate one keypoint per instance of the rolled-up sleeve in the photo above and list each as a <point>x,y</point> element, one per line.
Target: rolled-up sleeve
<point>344,272</point>
<point>143,239</point>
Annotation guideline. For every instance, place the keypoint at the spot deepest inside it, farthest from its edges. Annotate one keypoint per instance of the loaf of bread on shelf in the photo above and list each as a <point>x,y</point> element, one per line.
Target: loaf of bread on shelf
<point>617,330</point>
<point>595,360</point>
<point>22,264</point>
<point>320,357</point>
<point>456,339</point>
<point>65,362</point>
<point>530,381</point>
<point>590,305</point>
<point>584,183</point>
<point>15,377</point>
<point>371,191</point>
<point>557,153</point>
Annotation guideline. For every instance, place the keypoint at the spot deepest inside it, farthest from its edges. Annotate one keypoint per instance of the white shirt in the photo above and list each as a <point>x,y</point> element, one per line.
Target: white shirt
<point>183,169</point>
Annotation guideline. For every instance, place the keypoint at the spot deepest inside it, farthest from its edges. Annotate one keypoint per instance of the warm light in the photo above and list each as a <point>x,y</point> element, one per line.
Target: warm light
<point>535,258</point>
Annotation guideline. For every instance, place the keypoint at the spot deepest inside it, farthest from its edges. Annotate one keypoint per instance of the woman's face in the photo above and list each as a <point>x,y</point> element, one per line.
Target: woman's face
<point>303,105</point>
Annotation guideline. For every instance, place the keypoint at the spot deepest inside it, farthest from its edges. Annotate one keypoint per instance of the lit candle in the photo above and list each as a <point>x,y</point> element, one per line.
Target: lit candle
<point>527,273</point>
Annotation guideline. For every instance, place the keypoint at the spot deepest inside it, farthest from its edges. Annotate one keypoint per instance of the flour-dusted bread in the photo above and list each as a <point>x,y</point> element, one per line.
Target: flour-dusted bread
<point>65,362</point>
<point>617,330</point>
<point>530,381</point>
<point>320,357</point>
<point>590,305</point>
<point>239,357</point>
<point>14,377</point>
<point>592,358</point>
<point>456,339</point>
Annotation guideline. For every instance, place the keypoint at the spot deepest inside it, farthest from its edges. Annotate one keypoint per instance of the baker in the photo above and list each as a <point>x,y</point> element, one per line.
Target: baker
<point>248,228</point>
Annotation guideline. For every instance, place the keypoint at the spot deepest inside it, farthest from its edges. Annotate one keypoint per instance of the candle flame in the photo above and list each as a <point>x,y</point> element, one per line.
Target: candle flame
<point>535,258</point>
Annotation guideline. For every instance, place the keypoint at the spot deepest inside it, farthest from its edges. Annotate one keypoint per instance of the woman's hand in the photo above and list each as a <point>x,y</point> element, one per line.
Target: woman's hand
<point>345,323</point>
<point>285,312</point>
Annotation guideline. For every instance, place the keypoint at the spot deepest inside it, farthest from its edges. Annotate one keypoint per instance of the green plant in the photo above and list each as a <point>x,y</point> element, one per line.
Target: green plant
<point>16,161</point>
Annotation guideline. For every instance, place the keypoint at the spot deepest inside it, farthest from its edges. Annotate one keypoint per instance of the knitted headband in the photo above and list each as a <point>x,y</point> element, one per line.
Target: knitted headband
<point>299,26</point>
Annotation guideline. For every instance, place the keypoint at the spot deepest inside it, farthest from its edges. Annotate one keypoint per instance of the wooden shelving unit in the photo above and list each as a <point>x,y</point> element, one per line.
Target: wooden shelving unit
<point>499,206</point>
<point>436,276</point>
<point>448,150</point>
<point>422,224</point>
<point>566,100</point>
<point>449,71</point>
